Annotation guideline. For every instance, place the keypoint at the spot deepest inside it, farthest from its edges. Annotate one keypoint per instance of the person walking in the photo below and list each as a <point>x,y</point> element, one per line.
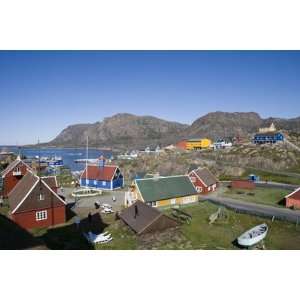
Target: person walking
<point>90,217</point>
<point>114,198</point>
<point>77,222</point>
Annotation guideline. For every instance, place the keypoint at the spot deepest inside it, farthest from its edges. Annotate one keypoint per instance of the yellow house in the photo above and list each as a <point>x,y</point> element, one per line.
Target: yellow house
<point>196,144</point>
<point>162,191</point>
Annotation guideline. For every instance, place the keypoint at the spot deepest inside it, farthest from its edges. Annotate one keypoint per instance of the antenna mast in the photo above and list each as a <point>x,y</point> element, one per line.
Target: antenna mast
<point>86,163</point>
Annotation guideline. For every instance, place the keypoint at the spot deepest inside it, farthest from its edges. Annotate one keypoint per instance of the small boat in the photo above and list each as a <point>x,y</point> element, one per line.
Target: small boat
<point>253,236</point>
<point>86,192</point>
<point>89,161</point>
<point>55,162</point>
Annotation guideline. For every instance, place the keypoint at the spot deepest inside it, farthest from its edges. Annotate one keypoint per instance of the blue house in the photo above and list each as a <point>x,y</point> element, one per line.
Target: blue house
<point>104,177</point>
<point>268,138</point>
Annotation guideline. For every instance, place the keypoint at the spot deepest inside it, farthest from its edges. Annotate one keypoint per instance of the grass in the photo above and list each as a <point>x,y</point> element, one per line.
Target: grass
<point>222,233</point>
<point>270,176</point>
<point>198,235</point>
<point>267,196</point>
<point>265,176</point>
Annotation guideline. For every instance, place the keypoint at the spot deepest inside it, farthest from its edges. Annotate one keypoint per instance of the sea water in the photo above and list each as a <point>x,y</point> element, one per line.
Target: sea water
<point>69,155</point>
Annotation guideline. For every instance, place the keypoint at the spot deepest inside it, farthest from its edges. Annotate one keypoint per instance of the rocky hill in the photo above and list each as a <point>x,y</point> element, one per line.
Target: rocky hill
<point>222,124</point>
<point>130,131</point>
<point>121,130</point>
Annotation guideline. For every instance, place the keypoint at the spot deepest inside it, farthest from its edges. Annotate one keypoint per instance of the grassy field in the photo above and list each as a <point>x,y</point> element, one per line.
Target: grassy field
<point>269,176</point>
<point>222,234</point>
<point>265,176</point>
<point>198,235</point>
<point>268,196</point>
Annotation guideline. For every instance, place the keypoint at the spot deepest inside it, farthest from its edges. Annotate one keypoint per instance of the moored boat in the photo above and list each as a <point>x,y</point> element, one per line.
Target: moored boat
<point>253,236</point>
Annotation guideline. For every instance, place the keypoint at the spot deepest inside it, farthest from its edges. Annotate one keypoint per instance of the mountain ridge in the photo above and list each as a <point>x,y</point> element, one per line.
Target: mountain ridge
<point>125,130</point>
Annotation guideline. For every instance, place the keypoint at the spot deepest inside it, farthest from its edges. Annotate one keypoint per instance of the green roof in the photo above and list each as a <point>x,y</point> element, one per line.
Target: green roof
<point>162,188</point>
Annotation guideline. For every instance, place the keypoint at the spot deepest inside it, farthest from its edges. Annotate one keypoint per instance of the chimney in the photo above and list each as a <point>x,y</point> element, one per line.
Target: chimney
<point>136,212</point>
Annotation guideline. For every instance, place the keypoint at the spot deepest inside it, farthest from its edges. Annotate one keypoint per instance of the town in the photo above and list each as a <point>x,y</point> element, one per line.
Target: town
<point>123,203</point>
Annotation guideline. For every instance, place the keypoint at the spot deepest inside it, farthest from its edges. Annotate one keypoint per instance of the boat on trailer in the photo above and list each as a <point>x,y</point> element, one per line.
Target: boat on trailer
<point>253,236</point>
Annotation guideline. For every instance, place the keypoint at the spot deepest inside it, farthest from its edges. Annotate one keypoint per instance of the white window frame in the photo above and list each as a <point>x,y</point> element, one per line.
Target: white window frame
<point>199,189</point>
<point>173,201</point>
<point>41,197</point>
<point>41,215</point>
<point>193,179</point>
<point>187,200</point>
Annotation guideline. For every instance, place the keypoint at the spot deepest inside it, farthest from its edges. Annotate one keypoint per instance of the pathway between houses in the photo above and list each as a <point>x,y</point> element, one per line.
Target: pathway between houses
<point>255,209</point>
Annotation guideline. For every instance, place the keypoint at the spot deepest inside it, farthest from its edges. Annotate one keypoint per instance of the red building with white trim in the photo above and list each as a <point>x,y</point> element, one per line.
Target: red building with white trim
<point>293,199</point>
<point>35,204</point>
<point>12,175</point>
<point>203,180</point>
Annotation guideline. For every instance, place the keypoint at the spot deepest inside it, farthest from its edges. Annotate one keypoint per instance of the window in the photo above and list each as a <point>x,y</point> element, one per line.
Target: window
<point>87,181</point>
<point>17,171</point>
<point>95,182</point>
<point>199,189</point>
<point>154,203</point>
<point>41,215</point>
<point>41,197</point>
<point>187,200</point>
<point>103,183</point>
<point>193,179</point>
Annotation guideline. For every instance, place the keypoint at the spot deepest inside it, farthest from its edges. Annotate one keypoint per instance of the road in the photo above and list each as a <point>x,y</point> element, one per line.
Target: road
<point>255,209</point>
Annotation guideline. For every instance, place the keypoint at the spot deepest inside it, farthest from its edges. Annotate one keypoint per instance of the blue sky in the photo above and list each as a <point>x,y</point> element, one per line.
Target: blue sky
<point>42,92</point>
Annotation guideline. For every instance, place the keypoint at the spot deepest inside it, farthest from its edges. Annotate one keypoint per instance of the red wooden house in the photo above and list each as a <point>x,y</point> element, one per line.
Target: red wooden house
<point>33,203</point>
<point>203,180</point>
<point>293,199</point>
<point>12,175</point>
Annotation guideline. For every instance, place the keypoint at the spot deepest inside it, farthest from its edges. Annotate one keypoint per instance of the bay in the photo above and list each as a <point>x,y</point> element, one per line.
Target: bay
<point>69,155</point>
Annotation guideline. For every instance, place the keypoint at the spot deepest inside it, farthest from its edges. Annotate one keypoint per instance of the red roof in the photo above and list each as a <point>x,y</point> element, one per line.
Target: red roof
<point>99,173</point>
<point>295,194</point>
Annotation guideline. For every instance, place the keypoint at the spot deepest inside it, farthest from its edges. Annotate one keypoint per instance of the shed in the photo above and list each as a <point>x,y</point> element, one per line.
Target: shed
<point>293,199</point>
<point>142,218</point>
<point>243,184</point>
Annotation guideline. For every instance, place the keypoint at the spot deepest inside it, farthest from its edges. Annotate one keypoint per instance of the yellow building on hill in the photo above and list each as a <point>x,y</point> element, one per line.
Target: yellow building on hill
<point>197,144</point>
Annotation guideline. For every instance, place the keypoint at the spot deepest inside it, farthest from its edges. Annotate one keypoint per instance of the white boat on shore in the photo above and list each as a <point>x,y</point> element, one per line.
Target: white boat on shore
<point>253,236</point>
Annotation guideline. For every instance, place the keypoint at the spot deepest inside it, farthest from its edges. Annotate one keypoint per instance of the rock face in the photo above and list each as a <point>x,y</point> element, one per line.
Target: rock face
<point>121,130</point>
<point>223,124</point>
<point>130,131</point>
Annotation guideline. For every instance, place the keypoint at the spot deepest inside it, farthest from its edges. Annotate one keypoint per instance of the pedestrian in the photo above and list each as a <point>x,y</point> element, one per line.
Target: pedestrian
<point>77,222</point>
<point>114,198</point>
<point>90,218</point>
<point>1,201</point>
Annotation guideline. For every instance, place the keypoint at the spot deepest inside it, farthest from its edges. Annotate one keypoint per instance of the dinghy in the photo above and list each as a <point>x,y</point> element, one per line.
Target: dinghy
<point>253,236</point>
